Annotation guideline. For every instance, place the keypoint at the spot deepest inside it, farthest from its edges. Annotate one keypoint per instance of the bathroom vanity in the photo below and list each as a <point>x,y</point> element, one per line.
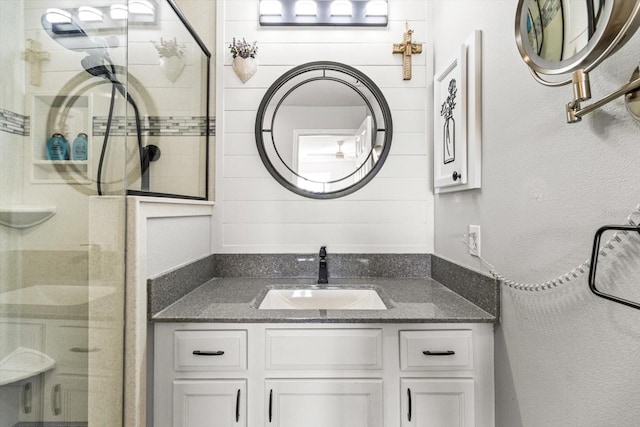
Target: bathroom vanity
<point>426,360</point>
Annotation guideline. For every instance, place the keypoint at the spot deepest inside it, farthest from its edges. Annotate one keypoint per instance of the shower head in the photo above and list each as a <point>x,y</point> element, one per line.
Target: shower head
<point>62,27</point>
<point>96,67</point>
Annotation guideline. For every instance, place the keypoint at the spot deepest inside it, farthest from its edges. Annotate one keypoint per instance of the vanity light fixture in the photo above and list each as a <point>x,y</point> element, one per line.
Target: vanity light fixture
<point>89,14</point>
<point>102,18</point>
<point>341,8</point>
<point>353,13</point>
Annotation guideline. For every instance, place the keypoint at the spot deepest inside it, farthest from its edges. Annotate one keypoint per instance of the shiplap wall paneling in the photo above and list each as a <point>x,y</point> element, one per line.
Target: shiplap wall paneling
<point>254,214</point>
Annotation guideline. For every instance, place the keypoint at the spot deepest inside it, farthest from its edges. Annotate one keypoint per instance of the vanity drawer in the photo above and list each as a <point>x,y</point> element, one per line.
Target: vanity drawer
<point>323,349</point>
<point>210,350</point>
<point>436,350</point>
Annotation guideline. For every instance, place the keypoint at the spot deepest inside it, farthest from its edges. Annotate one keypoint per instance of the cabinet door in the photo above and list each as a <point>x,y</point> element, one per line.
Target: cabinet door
<point>199,403</point>
<point>437,402</point>
<point>66,398</point>
<point>324,403</point>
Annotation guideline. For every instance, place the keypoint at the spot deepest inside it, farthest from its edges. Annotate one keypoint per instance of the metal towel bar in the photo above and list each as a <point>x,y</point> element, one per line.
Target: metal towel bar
<point>594,263</point>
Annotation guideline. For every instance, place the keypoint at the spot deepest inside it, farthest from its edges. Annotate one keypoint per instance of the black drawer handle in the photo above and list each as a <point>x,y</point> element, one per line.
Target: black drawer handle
<point>409,412</point>
<point>84,349</point>
<point>238,406</point>
<point>207,353</point>
<point>439,353</point>
<point>270,404</point>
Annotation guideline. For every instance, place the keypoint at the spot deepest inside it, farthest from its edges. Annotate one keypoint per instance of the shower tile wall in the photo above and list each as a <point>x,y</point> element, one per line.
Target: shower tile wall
<point>169,105</point>
<point>172,125</point>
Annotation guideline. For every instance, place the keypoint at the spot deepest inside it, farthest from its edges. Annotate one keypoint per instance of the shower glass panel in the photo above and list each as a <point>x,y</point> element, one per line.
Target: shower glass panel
<point>64,70</point>
<point>169,76</point>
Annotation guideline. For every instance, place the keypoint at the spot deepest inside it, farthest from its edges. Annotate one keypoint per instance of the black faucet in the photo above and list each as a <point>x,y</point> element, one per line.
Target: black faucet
<point>322,272</point>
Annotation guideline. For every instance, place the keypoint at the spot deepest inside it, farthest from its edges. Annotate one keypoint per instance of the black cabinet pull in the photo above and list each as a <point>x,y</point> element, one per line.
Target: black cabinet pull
<point>238,406</point>
<point>56,400</point>
<point>439,353</point>
<point>84,349</point>
<point>207,353</point>
<point>27,398</point>
<point>409,412</point>
<point>270,404</point>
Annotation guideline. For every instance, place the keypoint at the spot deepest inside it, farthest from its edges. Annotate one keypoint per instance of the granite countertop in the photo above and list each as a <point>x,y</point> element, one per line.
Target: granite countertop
<point>233,300</point>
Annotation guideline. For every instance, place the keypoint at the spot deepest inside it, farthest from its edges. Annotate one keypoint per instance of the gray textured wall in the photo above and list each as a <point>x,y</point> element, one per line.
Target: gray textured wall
<point>563,357</point>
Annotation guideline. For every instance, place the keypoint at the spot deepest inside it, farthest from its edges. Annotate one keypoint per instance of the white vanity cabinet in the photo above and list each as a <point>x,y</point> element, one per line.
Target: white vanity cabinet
<point>442,402</point>
<point>322,374</point>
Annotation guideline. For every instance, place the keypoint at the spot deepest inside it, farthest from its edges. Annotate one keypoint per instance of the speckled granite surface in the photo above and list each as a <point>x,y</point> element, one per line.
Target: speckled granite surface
<point>169,287</point>
<point>223,300</point>
<point>306,265</point>
<point>477,288</point>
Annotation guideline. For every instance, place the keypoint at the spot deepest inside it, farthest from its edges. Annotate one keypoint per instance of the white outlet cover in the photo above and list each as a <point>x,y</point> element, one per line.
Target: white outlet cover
<point>474,240</point>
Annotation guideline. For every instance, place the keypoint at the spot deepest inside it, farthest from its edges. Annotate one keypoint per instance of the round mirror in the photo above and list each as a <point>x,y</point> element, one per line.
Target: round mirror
<point>323,130</point>
<point>561,36</point>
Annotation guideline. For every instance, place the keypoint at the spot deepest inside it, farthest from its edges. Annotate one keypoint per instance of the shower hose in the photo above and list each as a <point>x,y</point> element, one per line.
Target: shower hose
<point>115,84</point>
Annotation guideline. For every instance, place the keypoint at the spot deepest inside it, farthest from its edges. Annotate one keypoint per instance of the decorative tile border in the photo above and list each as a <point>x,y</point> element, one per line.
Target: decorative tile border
<point>18,124</point>
<point>14,123</point>
<point>155,125</point>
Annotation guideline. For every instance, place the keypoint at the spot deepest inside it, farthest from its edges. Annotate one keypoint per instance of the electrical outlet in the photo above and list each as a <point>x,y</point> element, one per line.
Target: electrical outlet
<point>474,240</point>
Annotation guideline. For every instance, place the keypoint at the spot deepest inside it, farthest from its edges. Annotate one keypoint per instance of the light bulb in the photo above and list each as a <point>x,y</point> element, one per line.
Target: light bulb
<point>58,16</point>
<point>270,8</point>
<point>119,11</point>
<point>141,7</point>
<point>306,8</point>
<point>89,14</point>
<point>341,8</point>
<point>376,8</point>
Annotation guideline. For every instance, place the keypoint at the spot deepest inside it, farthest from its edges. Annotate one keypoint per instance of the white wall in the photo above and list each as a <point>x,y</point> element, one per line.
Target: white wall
<point>563,357</point>
<point>174,241</point>
<point>253,212</point>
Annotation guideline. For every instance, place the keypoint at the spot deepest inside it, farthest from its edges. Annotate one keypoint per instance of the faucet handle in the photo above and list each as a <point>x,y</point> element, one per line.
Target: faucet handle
<point>323,252</point>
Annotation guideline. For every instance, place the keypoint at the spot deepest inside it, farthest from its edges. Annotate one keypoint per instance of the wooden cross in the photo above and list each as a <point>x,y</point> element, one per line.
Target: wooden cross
<point>35,57</point>
<point>407,48</point>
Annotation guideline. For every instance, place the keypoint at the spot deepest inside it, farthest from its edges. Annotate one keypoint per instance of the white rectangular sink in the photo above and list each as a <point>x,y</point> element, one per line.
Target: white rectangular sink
<point>322,299</point>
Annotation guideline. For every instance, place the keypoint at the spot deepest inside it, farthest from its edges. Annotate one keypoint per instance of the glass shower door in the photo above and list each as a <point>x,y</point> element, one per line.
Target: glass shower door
<point>61,243</point>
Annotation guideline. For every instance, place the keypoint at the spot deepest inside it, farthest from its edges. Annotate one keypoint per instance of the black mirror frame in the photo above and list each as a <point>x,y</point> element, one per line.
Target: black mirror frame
<point>349,71</point>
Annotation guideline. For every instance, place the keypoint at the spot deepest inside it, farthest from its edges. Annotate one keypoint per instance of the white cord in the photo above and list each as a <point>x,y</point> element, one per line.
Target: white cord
<point>565,278</point>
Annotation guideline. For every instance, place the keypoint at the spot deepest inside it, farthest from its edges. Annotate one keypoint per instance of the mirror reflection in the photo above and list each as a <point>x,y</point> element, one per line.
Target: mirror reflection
<point>323,132</point>
<point>559,29</point>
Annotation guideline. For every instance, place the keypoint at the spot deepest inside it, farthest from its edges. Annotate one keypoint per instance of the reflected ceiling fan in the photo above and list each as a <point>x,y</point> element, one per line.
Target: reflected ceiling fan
<point>338,154</point>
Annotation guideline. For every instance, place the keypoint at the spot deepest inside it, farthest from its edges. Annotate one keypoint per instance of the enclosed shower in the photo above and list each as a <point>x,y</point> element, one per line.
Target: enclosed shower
<point>99,100</point>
